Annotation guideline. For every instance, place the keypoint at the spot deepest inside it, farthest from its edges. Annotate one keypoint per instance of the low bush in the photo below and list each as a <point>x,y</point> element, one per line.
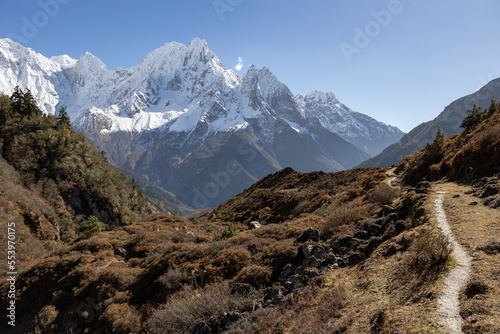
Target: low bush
<point>475,288</point>
<point>229,232</point>
<point>174,278</point>
<point>383,194</point>
<point>91,227</point>
<point>343,214</point>
<point>491,247</point>
<point>254,274</point>
<point>189,309</point>
<point>229,262</point>
<point>122,318</point>
<point>430,252</point>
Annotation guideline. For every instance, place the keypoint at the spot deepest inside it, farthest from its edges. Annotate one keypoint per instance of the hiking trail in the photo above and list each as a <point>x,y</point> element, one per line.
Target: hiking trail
<point>448,303</point>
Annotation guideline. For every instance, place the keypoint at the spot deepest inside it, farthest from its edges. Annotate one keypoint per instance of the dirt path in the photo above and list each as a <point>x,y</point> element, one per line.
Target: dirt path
<point>391,177</point>
<point>448,304</point>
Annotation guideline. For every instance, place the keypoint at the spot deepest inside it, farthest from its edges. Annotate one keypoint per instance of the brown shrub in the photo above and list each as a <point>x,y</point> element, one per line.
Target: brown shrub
<point>430,252</point>
<point>43,321</point>
<point>229,262</point>
<point>278,255</point>
<point>383,194</point>
<point>476,288</point>
<point>184,312</point>
<point>122,318</point>
<point>343,214</point>
<point>491,247</point>
<point>314,310</point>
<point>174,278</point>
<point>254,274</point>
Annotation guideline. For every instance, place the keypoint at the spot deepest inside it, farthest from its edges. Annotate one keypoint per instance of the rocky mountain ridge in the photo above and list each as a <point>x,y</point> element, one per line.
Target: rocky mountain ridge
<point>449,120</point>
<point>168,118</point>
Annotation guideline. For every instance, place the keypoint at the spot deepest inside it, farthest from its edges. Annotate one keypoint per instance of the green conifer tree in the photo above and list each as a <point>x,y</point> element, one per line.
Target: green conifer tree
<point>63,119</point>
<point>29,105</point>
<point>17,100</point>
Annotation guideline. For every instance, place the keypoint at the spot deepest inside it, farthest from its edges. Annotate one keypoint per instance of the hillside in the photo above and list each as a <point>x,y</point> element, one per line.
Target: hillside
<point>449,121</point>
<point>356,251</point>
<point>471,154</point>
<point>52,180</point>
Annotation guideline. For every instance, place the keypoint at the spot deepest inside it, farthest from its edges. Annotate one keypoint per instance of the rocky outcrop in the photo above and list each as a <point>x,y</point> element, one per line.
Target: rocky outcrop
<point>315,256</point>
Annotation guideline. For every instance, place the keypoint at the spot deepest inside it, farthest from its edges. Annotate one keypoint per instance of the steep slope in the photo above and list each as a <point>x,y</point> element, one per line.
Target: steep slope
<point>471,154</point>
<point>449,120</point>
<point>52,180</point>
<point>180,108</point>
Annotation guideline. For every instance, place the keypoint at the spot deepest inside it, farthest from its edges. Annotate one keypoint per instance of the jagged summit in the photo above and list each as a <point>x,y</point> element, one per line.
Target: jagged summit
<point>180,116</point>
<point>175,87</point>
<point>91,63</point>
<point>364,131</point>
<point>64,61</point>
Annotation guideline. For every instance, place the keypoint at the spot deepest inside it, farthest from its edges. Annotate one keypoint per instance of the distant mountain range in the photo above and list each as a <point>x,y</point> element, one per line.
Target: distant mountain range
<point>184,122</point>
<point>449,120</point>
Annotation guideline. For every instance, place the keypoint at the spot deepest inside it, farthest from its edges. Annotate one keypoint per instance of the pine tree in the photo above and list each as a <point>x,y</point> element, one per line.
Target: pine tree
<point>436,146</point>
<point>17,100</point>
<point>474,116</point>
<point>493,106</point>
<point>29,105</point>
<point>24,103</point>
<point>5,108</point>
<point>63,119</point>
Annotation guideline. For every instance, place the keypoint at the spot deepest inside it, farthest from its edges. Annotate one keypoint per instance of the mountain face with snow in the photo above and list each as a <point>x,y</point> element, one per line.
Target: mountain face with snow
<point>186,123</point>
<point>363,131</point>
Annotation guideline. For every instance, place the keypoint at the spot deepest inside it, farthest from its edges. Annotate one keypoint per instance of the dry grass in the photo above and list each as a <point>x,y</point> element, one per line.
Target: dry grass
<point>184,312</point>
<point>394,291</point>
<point>476,228</point>
<point>342,214</point>
<point>464,156</point>
<point>383,194</point>
<point>254,274</point>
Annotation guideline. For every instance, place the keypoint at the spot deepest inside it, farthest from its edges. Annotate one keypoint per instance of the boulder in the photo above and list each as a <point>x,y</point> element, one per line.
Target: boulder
<point>342,245</point>
<point>306,251</point>
<point>387,209</point>
<point>319,252</point>
<point>309,234</point>
<point>287,272</point>
<point>361,235</point>
<point>355,258</point>
<point>311,262</point>
<point>423,187</point>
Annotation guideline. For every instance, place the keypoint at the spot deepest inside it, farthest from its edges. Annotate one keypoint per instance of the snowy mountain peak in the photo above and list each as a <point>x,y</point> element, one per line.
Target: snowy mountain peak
<point>176,89</point>
<point>64,61</point>
<point>321,97</point>
<point>267,82</point>
<point>8,43</point>
<point>91,63</point>
<point>198,45</point>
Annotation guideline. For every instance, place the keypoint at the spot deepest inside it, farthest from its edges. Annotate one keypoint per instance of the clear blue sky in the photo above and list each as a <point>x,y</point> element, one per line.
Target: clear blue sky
<point>414,63</point>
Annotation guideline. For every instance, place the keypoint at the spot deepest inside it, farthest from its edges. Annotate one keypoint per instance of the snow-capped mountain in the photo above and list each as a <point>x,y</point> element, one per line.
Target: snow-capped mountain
<point>365,132</point>
<point>188,124</point>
